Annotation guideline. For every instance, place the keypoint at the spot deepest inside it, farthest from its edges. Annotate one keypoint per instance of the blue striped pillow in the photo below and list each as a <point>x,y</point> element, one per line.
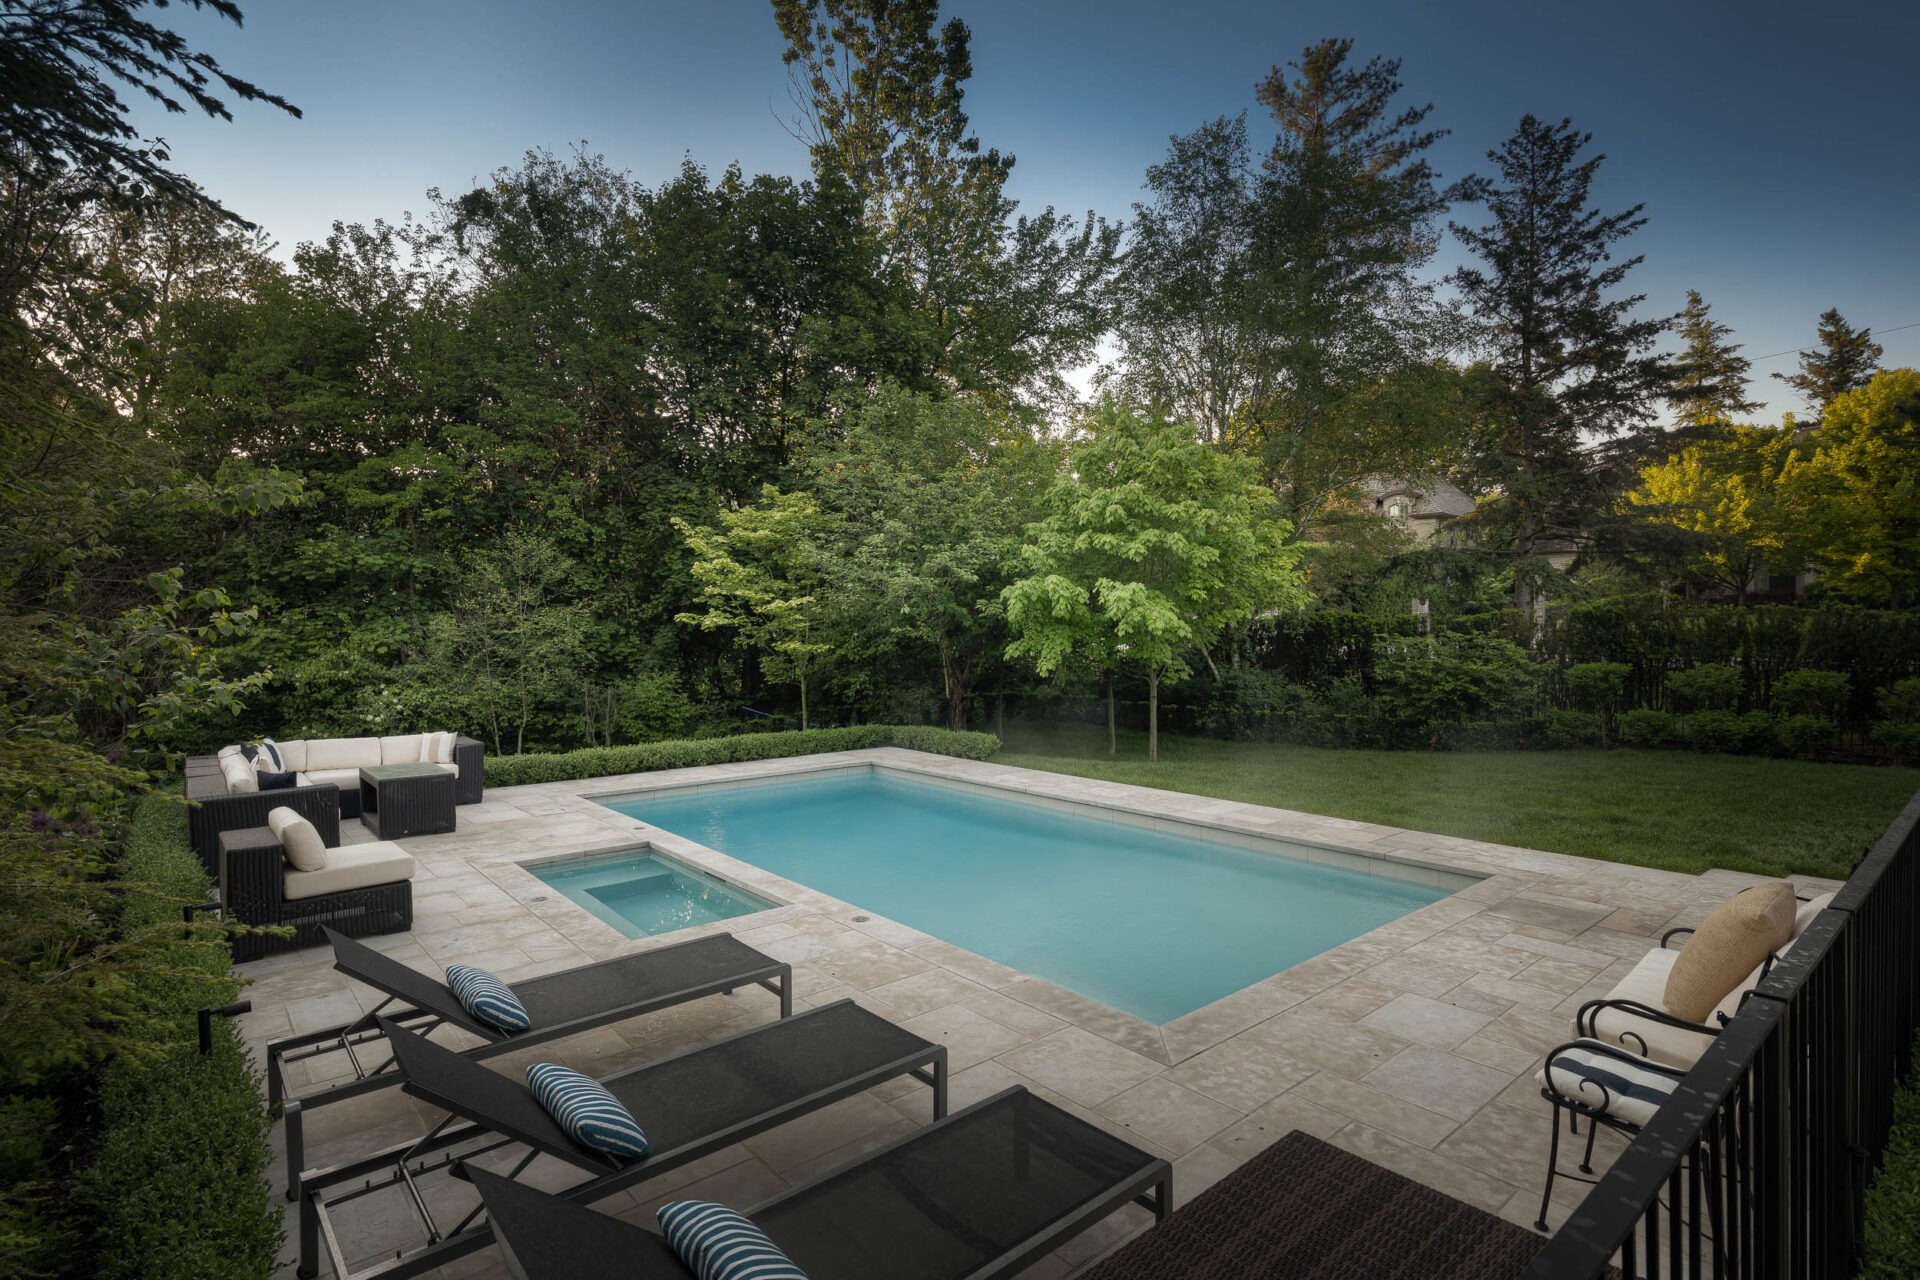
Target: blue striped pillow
<point>720,1244</point>
<point>487,998</point>
<point>585,1110</point>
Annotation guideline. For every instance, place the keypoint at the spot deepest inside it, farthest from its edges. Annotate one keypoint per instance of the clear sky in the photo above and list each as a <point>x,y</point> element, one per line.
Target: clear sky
<point>1775,143</point>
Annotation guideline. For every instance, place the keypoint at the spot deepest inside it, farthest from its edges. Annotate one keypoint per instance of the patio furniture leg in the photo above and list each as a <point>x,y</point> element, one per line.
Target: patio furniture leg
<point>1586,1161</point>
<point>1553,1166</point>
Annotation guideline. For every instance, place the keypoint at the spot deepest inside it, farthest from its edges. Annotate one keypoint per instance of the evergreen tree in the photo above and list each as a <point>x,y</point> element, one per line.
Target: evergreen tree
<point>1711,386</point>
<point>1574,376</point>
<point>1845,360</point>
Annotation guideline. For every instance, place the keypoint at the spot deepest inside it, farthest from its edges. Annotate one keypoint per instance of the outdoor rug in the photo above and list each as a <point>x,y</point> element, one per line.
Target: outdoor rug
<point>1306,1210</point>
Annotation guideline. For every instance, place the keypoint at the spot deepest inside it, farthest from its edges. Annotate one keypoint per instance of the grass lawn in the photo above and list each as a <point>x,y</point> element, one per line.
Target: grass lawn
<point>1670,809</point>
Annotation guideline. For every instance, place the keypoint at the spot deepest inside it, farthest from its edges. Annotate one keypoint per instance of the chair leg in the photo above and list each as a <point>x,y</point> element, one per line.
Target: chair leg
<point>1586,1161</point>
<point>1553,1167</point>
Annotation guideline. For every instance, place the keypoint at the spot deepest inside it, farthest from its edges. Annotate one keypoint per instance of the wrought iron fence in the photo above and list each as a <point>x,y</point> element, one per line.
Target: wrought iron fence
<point>1758,1165</point>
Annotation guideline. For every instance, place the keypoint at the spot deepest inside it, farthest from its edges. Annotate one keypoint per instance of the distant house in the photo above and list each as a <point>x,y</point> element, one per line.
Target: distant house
<point>1422,507</point>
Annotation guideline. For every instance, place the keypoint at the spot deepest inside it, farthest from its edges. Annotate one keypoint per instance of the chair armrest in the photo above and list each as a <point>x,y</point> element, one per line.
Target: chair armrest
<point>471,755</point>
<point>1583,1021</point>
<point>253,871</point>
<point>1602,1049</point>
<point>1671,934</point>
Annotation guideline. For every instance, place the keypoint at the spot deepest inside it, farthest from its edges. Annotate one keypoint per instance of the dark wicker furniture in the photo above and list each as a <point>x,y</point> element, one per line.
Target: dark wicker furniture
<point>1304,1209</point>
<point>983,1193</point>
<point>253,877</point>
<point>691,1105</point>
<point>559,1005</point>
<point>399,800</point>
<point>213,810</point>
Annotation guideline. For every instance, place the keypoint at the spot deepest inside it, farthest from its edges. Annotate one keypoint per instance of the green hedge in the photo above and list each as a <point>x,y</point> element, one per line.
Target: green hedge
<point>680,753</point>
<point>1893,1197</point>
<point>178,1186</point>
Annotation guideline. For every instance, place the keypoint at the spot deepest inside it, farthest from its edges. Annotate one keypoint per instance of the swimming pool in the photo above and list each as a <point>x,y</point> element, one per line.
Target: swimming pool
<point>1152,923</point>
<point>643,894</point>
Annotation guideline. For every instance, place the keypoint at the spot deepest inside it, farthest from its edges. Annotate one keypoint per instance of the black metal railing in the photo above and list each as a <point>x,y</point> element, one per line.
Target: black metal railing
<point>1758,1165</point>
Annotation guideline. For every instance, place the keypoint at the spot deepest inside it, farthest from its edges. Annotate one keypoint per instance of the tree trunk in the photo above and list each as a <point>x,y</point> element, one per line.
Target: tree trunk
<point>803,703</point>
<point>1000,717</point>
<point>1153,716</point>
<point>1112,743</point>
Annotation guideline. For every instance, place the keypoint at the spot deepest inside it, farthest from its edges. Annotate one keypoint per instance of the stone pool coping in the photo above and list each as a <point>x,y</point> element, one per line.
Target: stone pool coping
<point>1413,1045</point>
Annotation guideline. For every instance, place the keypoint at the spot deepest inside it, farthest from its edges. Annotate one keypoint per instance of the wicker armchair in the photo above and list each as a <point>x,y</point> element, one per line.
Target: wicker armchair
<point>214,811</point>
<point>253,876</point>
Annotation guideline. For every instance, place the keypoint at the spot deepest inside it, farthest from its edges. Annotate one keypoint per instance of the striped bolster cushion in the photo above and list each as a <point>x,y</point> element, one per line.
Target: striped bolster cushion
<point>1604,1082</point>
<point>487,998</point>
<point>586,1111</point>
<point>720,1244</point>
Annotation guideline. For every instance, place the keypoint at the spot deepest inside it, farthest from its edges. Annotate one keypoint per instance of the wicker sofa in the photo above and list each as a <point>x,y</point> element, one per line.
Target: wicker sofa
<point>363,889</point>
<point>327,776</point>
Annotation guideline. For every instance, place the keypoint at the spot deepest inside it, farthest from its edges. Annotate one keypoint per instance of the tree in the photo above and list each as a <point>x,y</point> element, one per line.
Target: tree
<point>1732,494</point>
<point>1859,493</point>
<point>1844,361</point>
<point>59,108</point>
<point>1571,367</point>
<point>509,642</point>
<point>1711,386</point>
<point>1283,311</point>
<point>928,498</point>
<point>759,575</point>
<point>995,305</point>
<point>1152,547</point>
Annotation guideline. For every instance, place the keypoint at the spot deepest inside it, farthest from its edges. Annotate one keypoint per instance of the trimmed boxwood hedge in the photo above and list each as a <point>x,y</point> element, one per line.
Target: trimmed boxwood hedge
<point>178,1187</point>
<point>1893,1197</point>
<point>681,753</point>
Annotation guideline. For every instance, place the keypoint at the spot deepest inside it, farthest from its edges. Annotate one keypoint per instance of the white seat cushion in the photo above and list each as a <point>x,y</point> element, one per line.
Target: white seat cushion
<point>352,866</point>
<point>1604,1083</point>
<point>402,748</point>
<point>299,839</point>
<point>341,753</point>
<point>293,755</point>
<point>342,778</point>
<point>1647,984</point>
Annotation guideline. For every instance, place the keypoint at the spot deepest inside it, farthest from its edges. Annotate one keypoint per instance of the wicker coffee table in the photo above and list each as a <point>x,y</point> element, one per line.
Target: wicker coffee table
<point>398,800</point>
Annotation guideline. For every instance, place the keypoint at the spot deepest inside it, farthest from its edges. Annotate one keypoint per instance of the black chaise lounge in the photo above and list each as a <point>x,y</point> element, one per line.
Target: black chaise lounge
<point>690,1105</point>
<point>558,1004</point>
<point>983,1193</point>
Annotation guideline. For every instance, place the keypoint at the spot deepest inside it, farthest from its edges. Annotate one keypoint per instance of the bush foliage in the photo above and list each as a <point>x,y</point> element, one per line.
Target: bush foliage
<point>1893,1197</point>
<point>646,757</point>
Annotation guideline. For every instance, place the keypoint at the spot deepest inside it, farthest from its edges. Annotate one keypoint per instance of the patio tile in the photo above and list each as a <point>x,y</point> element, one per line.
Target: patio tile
<point>1273,1121</point>
<point>1325,1041</point>
<point>1241,1073</point>
<point>1427,978</point>
<point>1438,1081</point>
<point>1426,1167</point>
<point>927,991</point>
<point>1393,1115</point>
<point>1169,1116</point>
<point>1424,1020</point>
<point>970,1037</point>
<point>1080,1065</point>
<point>1013,1013</point>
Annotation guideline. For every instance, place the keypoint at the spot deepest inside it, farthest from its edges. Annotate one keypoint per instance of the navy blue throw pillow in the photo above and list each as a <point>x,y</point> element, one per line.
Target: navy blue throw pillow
<point>277,781</point>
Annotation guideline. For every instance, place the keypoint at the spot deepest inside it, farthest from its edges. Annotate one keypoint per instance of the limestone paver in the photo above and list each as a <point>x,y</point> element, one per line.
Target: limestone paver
<point>1414,1045</point>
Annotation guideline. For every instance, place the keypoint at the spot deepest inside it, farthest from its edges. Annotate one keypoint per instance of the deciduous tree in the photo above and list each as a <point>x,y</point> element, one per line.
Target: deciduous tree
<point>1732,494</point>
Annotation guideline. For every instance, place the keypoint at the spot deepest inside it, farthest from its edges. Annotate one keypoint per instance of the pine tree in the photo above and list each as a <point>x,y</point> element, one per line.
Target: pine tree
<point>1845,360</point>
<point>1712,384</point>
<point>1573,371</point>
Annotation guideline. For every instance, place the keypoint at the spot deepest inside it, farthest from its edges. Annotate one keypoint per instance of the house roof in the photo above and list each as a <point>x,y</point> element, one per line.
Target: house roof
<point>1436,498</point>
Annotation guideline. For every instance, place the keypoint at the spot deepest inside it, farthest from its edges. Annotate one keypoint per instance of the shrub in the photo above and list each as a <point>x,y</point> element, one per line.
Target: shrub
<point>1572,728</point>
<point>1644,727</point>
<point>1420,692</point>
<point>1900,701</point>
<point>1804,735</point>
<point>1811,693</point>
<point>1716,730</point>
<point>653,707</point>
<point>1596,687</point>
<point>1704,688</point>
<point>681,753</point>
<point>178,1186</point>
<point>1893,1209</point>
<point>1902,737</point>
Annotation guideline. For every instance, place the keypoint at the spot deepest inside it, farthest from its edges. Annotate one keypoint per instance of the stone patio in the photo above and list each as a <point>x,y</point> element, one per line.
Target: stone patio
<point>1414,1045</point>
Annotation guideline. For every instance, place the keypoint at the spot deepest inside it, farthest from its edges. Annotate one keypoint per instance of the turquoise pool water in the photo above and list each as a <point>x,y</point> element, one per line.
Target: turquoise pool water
<point>1154,924</point>
<point>645,894</point>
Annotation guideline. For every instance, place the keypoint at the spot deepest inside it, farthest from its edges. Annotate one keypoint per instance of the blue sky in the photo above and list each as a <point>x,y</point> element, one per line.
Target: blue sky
<point>1773,142</point>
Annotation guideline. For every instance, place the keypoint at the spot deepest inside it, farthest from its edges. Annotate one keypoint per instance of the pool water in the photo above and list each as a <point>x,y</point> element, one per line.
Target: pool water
<point>1152,923</point>
<point>645,894</point>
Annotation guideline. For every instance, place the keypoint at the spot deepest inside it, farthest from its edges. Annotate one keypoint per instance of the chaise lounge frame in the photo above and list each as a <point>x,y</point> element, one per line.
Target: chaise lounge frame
<point>548,1237</point>
<point>561,1004</point>
<point>825,1055</point>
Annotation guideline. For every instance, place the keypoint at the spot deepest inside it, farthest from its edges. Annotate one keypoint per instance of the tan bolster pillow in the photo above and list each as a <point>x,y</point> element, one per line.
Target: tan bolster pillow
<point>1735,937</point>
<point>299,840</point>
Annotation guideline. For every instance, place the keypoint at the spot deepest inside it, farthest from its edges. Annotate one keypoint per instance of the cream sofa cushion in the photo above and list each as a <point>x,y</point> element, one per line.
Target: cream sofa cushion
<point>1735,937</point>
<point>341,753</point>
<point>352,866</point>
<point>227,753</point>
<point>299,839</point>
<point>239,774</point>
<point>342,778</point>
<point>401,749</point>
<point>293,755</point>
<point>436,748</point>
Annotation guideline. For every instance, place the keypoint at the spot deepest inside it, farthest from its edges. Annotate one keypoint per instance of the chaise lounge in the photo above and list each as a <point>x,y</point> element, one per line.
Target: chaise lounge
<point>690,1104</point>
<point>983,1193</point>
<point>558,1005</point>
